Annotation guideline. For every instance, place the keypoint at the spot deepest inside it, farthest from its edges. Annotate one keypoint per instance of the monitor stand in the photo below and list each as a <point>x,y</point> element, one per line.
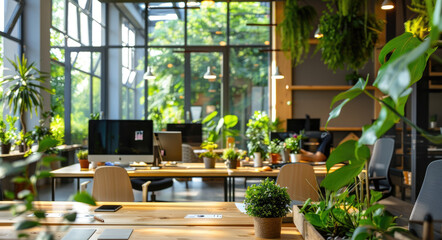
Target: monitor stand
<point>156,158</point>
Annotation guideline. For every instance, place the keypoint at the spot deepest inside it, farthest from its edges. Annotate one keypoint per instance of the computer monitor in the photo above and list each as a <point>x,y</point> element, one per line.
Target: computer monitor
<point>170,144</point>
<point>192,133</point>
<point>123,141</point>
<point>298,124</point>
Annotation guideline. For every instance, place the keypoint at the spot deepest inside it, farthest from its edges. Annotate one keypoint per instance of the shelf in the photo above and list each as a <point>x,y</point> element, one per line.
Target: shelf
<point>323,88</point>
<point>342,129</point>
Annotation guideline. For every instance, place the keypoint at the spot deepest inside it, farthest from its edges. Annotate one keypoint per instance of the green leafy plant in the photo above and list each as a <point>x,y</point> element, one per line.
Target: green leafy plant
<point>30,193</point>
<point>7,131</point>
<point>258,133</point>
<point>275,146</point>
<point>82,154</point>
<point>433,118</point>
<point>230,154</point>
<point>210,146</point>
<point>22,90</point>
<point>352,78</point>
<point>267,200</point>
<point>296,28</point>
<point>293,144</point>
<point>225,124</point>
<point>350,34</point>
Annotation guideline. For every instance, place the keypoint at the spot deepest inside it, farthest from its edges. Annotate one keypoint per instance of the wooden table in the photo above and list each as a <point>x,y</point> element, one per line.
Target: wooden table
<point>152,220</point>
<point>184,170</point>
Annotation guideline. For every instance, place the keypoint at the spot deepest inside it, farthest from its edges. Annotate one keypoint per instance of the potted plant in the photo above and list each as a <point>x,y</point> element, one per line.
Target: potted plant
<point>224,124</point>
<point>209,157</point>
<point>82,158</point>
<point>22,91</point>
<point>7,133</point>
<point>231,157</point>
<point>352,78</point>
<point>274,149</point>
<point>293,144</point>
<point>20,142</point>
<point>258,136</point>
<point>433,121</point>
<point>267,203</point>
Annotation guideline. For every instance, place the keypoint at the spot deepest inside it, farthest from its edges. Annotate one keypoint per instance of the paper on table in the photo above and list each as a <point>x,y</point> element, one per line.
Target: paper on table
<point>116,234</point>
<point>241,207</point>
<point>203,216</point>
<point>79,234</point>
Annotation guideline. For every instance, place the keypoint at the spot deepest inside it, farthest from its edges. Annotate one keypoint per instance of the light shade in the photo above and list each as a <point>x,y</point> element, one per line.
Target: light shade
<point>209,74</point>
<point>149,75</point>
<point>277,74</point>
<point>387,5</point>
<point>318,33</point>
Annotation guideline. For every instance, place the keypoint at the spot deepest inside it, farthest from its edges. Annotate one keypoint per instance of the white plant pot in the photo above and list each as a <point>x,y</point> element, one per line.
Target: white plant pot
<point>433,124</point>
<point>295,157</point>
<point>257,160</point>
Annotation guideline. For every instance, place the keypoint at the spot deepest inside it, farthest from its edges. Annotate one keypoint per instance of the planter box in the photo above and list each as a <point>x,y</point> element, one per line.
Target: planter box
<point>307,230</point>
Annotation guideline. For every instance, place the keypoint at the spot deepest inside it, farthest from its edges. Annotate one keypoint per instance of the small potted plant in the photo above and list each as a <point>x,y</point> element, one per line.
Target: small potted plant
<point>231,157</point>
<point>7,133</point>
<point>433,121</point>
<point>20,142</point>
<point>82,158</point>
<point>274,149</point>
<point>267,203</point>
<point>258,136</point>
<point>209,157</point>
<point>293,144</point>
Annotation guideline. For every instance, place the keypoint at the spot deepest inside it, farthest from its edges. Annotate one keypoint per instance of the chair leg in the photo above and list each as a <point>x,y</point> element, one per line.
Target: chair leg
<point>153,197</point>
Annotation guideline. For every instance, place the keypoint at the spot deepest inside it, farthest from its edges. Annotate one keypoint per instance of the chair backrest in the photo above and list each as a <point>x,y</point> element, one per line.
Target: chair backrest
<point>300,180</point>
<point>189,155</point>
<point>112,184</point>
<point>429,200</point>
<point>380,160</point>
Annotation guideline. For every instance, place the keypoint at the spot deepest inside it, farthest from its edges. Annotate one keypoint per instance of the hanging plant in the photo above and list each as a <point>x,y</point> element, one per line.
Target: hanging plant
<point>296,28</point>
<point>350,34</point>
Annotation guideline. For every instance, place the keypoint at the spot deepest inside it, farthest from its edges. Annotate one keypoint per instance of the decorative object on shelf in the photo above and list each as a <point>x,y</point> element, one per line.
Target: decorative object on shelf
<point>231,158</point>
<point>267,203</point>
<point>293,144</point>
<point>24,141</point>
<point>349,34</point>
<point>7,133</point>
<point>318,33</point>
<point>296,28</point>
<point>257,134</point>
<point>209,157</point>
<point>22,91</point>
<point>82,156</point>
<point>433,121</point>
<point>275,147</point>
<point>387,5</point>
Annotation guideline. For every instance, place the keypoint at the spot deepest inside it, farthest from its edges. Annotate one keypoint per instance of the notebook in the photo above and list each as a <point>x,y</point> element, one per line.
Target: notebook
<point>115,234</point>
<point>79,234</point>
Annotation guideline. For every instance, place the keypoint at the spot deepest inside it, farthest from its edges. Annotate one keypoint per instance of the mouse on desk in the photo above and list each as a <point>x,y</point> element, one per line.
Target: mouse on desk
<point>173,163</point>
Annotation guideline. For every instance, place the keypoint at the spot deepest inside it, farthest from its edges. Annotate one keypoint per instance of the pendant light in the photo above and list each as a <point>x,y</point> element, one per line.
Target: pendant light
<point>209,74</point>
<point>149,75</point>
<point>387,5</point>
<point>318,33</point>
<point>277,74</point>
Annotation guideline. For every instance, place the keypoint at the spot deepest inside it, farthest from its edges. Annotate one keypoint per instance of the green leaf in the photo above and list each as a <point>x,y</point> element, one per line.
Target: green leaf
<point>46,144</point>
<point>344,152</point>
<point>70,216</point>
<point>43,174</point>
<point>230,121</point>
<point>373,208</point>
<point>84,197</point>
<point>362,233</point>
<point>20,179</point>
<point>375,196</point>
<point>47,160</point>
<point>341,177</point>
<point>40,214</point>
<point>209,117</point>
<point>315,220</point>
<point>26,224</point>
<point>9,194</point>
<point>24,193</point>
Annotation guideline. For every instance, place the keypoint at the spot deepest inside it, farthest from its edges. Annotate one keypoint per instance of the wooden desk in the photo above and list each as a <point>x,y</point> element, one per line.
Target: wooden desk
<point>155,220</point>
<point>184,170</point>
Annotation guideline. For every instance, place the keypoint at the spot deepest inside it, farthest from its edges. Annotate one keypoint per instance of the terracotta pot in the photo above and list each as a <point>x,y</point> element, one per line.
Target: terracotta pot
<point>267,227</point>
<point>101,164</point>
<point>275,157</point>
<point>84,163</point>
<point>6,148</point>
<point>209,162</point>
<point>232,164</point>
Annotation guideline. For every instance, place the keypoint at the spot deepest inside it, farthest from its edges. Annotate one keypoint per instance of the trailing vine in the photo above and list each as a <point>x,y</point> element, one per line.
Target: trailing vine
<point>296,28</point>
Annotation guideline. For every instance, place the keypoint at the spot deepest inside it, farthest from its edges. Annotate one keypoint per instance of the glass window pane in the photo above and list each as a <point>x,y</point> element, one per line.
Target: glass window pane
<point>131,100</point>
<point>58,16</point>
<point>96,63</point>
<point>57,38</point>
<point>96,11</point>
<point>165,26</point>
<point>81,61</point>
<point>57,54</point>
<point>124,103</point>
<point>242,13</point>
<point>96,97</point>
<point>125,75</point>
<point>73,43</point>
<point>166,91</point>
<point>80,106</point>
<point>97,33</point>
<point>7,8</point>
<point>84,29</point>
<point>72,21</point>
<point>8,49</point>
<point>57,85</point>
<point>248,83</point>
<point>207,25</point>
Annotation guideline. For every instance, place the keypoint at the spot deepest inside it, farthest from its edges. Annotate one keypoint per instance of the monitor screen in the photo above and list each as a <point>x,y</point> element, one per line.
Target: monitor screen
<point>170,144</point>
<point>298,124</point>
<point>122,141</point>
<point>192,133</point>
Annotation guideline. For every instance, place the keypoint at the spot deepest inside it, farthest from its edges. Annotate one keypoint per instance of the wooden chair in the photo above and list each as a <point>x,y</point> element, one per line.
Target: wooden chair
<point>112,184</point>
<point>300,180</point>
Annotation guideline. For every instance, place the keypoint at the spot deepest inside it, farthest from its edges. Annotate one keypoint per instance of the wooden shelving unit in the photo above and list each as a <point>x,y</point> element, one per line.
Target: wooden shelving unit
<point>323,88</point>
<point>342,129</point>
